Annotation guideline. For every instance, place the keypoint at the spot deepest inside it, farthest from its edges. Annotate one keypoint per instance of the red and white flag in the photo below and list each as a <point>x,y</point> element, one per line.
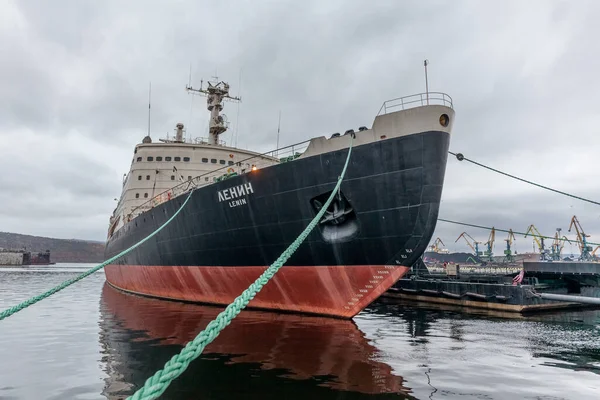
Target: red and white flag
<point>519,278</point>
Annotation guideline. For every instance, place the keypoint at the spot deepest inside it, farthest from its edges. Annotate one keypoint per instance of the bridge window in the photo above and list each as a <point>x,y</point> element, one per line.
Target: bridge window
<point>139,159</point>
<point>213,160</point>
<point>147,177</point>
<point>159,158</point>
<point>186,159</point>
<point>177,158</point>
<point>231,163</point>
<point>206,179</point>
<point>222,162</point>
<point>172,177</point>
<point>145,195</point>
<point>137,195</point>
<point>139,178</point>
<point>189,178</point>
<point>205,160</point>
<point>150,159</point>
<point>167,158</point>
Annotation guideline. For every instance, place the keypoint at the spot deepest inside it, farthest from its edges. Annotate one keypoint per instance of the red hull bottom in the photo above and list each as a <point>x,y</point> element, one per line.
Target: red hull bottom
<point>338,291</point>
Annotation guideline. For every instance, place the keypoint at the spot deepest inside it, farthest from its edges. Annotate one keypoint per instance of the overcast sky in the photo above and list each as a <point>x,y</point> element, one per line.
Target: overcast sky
<point>74,91</point>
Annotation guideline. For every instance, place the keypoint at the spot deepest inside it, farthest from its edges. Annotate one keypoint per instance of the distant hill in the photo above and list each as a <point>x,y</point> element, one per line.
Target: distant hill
<point>463,257</point>
<point>449,257</point>
<point>61,250</point>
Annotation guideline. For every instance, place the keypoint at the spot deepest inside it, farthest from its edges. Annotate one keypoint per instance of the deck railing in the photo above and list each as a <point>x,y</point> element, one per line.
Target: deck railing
<point>188,140</point>
<point>244,166</point>
<point>416,100</point>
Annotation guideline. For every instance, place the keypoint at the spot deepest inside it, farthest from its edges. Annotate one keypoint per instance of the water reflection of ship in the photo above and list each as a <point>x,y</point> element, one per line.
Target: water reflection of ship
<point>294,356</point>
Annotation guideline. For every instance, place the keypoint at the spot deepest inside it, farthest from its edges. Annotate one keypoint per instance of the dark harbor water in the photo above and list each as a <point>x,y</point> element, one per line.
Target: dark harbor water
<point>93,342</point>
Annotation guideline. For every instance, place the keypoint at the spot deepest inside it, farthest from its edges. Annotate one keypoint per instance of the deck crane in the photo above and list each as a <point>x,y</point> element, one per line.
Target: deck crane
<point>473,244</point>
<point>584,247</point>
<point>539,240</point>
<point>489,253</point>
<point>557,245</point>
<point>508,255</point>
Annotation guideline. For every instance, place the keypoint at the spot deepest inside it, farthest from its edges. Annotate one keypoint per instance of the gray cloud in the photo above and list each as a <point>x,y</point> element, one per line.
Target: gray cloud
<point>74,78</point>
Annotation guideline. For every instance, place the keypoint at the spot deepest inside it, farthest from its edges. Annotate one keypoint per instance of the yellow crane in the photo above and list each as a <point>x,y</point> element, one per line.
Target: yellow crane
<point>435,247</point>
<point>473,244</point>
<point>557,245</point>
<point>539,240</point>
<point>489,253</point>
<point>584,248</point>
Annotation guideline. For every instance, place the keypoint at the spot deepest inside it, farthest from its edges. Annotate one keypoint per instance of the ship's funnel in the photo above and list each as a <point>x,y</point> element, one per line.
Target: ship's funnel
<point>179,134</point>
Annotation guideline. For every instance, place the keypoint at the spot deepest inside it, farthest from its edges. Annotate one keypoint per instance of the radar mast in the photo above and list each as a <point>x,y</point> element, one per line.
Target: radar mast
<point>216,92</point>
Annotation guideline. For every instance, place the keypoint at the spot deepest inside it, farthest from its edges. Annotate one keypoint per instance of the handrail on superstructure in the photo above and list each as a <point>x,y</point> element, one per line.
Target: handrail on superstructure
<point>196,140</point>
<point>196,182</point>
<point>416,100</point>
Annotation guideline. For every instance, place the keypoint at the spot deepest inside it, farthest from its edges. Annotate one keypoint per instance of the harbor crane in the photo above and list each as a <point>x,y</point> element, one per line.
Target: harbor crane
<point>489,253</point>
<point>473,244</point>
<point>584,247</point>
<point>435,247</point>
<point>594,256</point>
<point>538,238</point>
<point>557,245</point>
<point>508,255</point>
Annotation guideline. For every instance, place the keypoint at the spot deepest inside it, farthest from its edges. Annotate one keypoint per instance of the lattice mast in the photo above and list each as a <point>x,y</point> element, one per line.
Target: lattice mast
<point>216,92</point>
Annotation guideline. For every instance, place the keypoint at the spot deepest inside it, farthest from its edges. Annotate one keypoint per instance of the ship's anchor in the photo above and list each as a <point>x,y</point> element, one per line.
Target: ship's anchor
<point>337,211</point>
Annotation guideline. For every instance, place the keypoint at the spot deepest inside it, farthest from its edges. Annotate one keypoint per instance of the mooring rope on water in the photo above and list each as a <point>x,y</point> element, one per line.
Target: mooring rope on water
<point>461,157</point>
<point>158,383</point>
<point>8,312</point>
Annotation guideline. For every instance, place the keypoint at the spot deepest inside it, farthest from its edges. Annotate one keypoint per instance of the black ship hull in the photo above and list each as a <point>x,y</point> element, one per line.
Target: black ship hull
<point>233,229</point>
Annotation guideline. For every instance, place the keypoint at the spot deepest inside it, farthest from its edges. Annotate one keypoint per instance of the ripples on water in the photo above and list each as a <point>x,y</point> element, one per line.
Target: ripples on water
<point>92,342</point>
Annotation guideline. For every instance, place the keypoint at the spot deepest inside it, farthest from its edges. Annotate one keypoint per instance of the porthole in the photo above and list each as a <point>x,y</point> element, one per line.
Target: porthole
<point>444,120</point>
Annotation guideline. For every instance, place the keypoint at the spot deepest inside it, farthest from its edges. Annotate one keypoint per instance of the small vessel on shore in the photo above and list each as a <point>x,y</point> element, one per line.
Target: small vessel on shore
<point>16,257</point>
<point>247,208</point>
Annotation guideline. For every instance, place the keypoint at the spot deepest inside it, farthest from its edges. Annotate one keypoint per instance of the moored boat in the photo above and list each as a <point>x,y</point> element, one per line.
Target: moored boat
<point>246,208</point>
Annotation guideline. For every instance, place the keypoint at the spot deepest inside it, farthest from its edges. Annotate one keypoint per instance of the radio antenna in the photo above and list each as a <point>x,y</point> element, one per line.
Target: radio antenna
<point>149,102</point>
<point>278,130</point>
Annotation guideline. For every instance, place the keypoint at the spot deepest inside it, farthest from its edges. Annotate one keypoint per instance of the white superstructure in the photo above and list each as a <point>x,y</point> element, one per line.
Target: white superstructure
<point>163,170</point>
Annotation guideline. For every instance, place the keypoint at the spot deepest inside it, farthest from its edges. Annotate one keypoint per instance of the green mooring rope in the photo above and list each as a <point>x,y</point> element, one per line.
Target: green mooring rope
<point>8,312</point>
<point>158,383</point>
